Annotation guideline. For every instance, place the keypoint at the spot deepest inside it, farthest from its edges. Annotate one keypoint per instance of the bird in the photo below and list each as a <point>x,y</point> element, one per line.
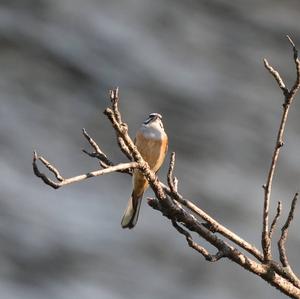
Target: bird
<point>152,143</point>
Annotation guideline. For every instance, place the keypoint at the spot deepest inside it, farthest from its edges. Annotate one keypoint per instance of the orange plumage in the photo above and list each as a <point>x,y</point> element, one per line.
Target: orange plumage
<point>152,143</point>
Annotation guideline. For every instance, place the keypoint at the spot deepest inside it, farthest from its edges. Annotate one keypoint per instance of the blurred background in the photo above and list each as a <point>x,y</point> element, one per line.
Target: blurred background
<point>199,64</point>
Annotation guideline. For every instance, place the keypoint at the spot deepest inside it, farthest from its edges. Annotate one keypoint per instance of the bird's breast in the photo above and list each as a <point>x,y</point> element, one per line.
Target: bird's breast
<point>151,147</point>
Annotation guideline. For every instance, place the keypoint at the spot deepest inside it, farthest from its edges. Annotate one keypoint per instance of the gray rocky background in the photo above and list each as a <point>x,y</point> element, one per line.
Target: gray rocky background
<point>199,64</point>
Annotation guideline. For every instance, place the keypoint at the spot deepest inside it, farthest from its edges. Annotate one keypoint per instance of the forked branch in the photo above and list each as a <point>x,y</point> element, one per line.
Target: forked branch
<point>185,216</point>
<point>289,96</point>
<point>63,182</point>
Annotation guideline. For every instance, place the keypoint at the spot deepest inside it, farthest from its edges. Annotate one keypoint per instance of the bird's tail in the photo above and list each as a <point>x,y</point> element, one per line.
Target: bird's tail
<point>132,210</point>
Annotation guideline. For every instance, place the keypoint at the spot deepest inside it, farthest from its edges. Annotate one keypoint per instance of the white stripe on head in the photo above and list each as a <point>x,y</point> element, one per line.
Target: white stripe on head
<point>152,117</point>
<point>153,127</point>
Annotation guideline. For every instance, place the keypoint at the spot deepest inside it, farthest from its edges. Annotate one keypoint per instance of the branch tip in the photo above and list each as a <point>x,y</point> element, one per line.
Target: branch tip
<point>291,41</point>
<point>295,50</point>
<point>266,63</point>
<point>275,220</point>
<point>172,181</point>
<point>276,76</point>
<point>34,156</point>
<point>114,94</point>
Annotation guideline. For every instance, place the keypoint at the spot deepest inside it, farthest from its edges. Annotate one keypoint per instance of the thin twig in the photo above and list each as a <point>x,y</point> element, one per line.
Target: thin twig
<point>98,153</point>
<point>297,64</point>
<point>63,182</point>
<point>284,233</point>
<point>104,161</point>
<point>124,148</point>
<point>45,179</point>
<point>276,76</point>
<point>215,225</point>
<point>170,177</point>
<point>191,223</point>
<point>114,98</point>
<point>175,181</point>
<point>209,257</point>
<point>273,225</point>
<point>282,245</point>
<point>289,96</point>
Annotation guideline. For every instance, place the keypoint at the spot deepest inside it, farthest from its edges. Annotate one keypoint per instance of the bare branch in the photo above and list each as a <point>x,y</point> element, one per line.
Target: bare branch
<point>124,148</point>
<point>176,213</point>
<point>215,226</point>
<point>212,223</point>
<point>100,155</point>
<point>45,179</point>
<point>297,64</point>
<point>289,96</point>
<point>63,182</point>
<point>273,225</point>
<point>103,159</point>
<point>276,76</point>
<point>282,245</point>
<point>284,233</point>
<point>266,272</point>
<point>114,97</point>
<point>171,179</point>
<point>209,257</point>
<point>173,205</point>
<point>175,184</point>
